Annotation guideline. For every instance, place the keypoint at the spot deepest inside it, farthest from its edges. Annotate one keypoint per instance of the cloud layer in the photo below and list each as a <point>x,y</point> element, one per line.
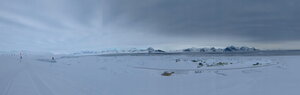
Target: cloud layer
<point>99,24</point>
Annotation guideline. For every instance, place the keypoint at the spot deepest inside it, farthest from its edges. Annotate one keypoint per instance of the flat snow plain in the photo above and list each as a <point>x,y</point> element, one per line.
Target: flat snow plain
<point>141,75</point>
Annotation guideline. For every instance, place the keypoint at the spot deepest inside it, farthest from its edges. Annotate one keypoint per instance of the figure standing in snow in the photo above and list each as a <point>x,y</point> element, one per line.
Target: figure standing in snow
<point>20,61</point>
<point>21,55</point>
<point>52,60</point>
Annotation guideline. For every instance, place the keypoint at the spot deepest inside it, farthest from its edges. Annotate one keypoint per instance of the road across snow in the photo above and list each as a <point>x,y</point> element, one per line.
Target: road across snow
<point>116,75</point>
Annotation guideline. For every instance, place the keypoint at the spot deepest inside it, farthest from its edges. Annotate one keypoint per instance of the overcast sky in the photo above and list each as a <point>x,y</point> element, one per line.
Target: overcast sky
<point>58,25</point>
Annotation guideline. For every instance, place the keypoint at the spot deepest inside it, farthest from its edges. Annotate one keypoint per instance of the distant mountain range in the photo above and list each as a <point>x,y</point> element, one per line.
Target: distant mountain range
<point>152,50</point>
<point>227,49</point>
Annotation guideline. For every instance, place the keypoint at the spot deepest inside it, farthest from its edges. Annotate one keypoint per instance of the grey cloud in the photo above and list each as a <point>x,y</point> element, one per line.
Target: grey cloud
<point>93,24</point>
<point>255,20</point>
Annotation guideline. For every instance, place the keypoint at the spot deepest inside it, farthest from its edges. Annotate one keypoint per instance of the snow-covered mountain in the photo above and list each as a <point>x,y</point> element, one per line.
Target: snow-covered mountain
<point>239,49</point>
<point>115,51</point>
<point>152,50</point>
<point>203,50</point>
<point>227,49</point>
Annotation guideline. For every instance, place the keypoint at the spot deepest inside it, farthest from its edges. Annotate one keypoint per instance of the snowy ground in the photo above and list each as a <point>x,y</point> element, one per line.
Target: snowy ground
<point>141,75</point>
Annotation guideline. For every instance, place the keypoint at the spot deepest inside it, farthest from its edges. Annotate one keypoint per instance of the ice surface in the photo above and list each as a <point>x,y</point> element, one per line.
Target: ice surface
<point>118,75</point>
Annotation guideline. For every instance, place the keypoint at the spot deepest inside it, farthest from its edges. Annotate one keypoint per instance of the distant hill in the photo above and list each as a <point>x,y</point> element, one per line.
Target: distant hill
<point>227,49</point>
<point>151,50</point>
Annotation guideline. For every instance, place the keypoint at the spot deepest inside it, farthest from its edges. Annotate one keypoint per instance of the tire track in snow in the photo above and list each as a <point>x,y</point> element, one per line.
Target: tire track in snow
<point>42,88</point>
<point>8,87</point>
<point>10,79</point>
<point>41,82</point>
